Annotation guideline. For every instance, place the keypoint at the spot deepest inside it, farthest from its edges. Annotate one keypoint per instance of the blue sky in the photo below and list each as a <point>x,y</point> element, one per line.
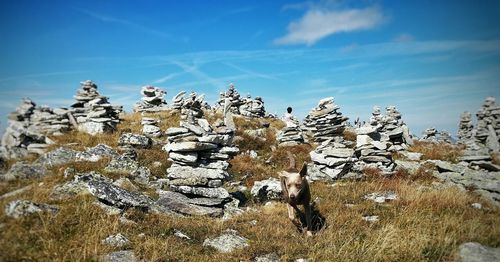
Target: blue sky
<point>431,59</point>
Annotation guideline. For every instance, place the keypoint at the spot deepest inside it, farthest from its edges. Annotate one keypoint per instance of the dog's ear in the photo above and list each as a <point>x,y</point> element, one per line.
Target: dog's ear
<point>283,174</point>
<point>303,171</point>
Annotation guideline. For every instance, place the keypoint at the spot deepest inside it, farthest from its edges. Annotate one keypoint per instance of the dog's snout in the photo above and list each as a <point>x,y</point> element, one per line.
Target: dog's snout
<point>292,196</point>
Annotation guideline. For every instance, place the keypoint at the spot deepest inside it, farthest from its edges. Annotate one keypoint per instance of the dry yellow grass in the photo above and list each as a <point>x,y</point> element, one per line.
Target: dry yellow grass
<point>438,151</point>
<point>423,224</point>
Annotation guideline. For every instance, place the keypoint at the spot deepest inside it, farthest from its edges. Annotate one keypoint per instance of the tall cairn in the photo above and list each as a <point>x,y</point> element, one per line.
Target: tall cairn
<point>372,150</point>
<point>333,158</point>
<point>249,107</point>
<point>291,134</point>
<point>324,121</point>
<point>488,125</point>
<point>153,100</point>
<point>92,112</point>
<point>465,128</point>
<point>199,155</point>
<point>391,128</point>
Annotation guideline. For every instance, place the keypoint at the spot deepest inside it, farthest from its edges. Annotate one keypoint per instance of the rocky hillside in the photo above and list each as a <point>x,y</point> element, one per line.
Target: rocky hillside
<point>188,182</point>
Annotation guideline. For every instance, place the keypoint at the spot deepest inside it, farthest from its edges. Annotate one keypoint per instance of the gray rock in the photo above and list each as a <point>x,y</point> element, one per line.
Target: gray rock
<point>117,240</point>
<point>381,197</point>
<point>57,157</point>
<point>370,218</point>
<point>96,153</point>
<point>122,165</point>
<point>22,170</point>
<point>485,183</point>
<point>180,203</point>
<point>16,192</point>
<point>117,196</point>
<point>477,205</point>
<point>266,190</point>
<point>135,140</point>
<point>20,208</point>
<point>475,252</point>
<point>229,241</point>
<point>120,256</point>
<point>217,192</point>
<point>444,166</point>
<point>181,234</point>
<point>188,146</point>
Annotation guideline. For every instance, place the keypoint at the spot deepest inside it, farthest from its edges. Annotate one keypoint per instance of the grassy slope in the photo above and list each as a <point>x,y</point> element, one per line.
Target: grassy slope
<point>424,224</point>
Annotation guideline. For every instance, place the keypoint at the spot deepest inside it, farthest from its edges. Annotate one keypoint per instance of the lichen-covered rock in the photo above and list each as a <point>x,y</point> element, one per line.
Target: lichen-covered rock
<point>120,256</point>
<point>135,140</point>
<point>475,252</point>
<point>59,156</point>
<point>20,208</point>
<point>117,240</point>
<point>229,241</point>
<point>23,170</point>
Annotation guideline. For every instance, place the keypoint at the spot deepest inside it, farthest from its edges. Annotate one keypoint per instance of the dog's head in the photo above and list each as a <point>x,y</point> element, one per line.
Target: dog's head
<point>293,183</point>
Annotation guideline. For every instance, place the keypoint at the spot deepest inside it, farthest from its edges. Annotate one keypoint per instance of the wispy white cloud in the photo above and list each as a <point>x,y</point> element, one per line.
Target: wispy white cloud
<point>252,73</point>
<point>164,79</point>
<point>37,75</point>
<point>320,22</point>
<point>132,25</point>
<point>404,37</point>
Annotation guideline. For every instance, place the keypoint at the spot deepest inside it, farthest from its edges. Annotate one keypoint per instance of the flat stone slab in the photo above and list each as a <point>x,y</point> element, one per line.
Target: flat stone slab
<point>227,242</point>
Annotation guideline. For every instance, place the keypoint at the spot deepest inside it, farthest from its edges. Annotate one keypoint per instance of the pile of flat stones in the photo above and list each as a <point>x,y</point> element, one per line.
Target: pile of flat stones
<point>249,107</point>
<point>392,129</point>
<point>465,128</point>
<point>150,127</point>
<point>153,100</point>
<point>334,157</point>
<point>291,134</point>
<point>92,112</point>
<point>372,151</point>
<point>430,135</point>
<point>484,139</point>
<point>178,101</point>
<point>325,121</point>
<point>29,127</point>
<point>199,155</point>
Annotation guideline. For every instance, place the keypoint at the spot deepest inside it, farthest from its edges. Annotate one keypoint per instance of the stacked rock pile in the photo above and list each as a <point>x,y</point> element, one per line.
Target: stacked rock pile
<point>178,100</point>
<point>249,107</point>
<point>444,137</point>
<point>488,125</point>
<point>153,100</point>
<point>330,161</point>
<point>199,155</point>
<point>325,121</point>
<point>291,134</point>
<point>150,127</point>
<point>430,135</point>
<point>485,137</point>
<point>253,107</point>
<point>372,151</point>
<point>28,129</point>
<point>465,128</point>
<point>391,127</point>
<point>93,113</point>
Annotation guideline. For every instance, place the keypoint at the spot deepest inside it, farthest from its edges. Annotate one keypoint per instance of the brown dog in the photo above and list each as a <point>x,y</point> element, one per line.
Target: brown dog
<point>296,192</point>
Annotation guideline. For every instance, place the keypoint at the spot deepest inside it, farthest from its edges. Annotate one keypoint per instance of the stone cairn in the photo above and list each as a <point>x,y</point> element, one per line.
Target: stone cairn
<point>199,155</point>
<point>29,127</point>
<point>332,159</point>
<point>178,101</point>
<point>430,135</point>
<point>465,128</point>
<point>372,150</point>
<point>92,112</point>
<point>391,128</point>
<point>325,121</point>
<point>153,100</point>
<point>242,106</point>
<point>485,137</point>
<point>150,127</point>
<point>291,134</point>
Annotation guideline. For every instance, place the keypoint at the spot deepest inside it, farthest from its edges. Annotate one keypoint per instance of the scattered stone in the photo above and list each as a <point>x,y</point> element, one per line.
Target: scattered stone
<point>16,192</point>
<point>370,218</point>
<point>117,240</point>
<point>57,157</point>
<point>120,256</point>
<point>23,170</point>
<point>266,190</point>
<point>117,196</point>
<point>381,197</point>
<point>271,257</point>
<point>477,205</point>
<point>475,252</point>
<point>181,235</point>
<point>20,208</point>
<point>134,140</point>
<point>96,153</point>
<point>229,241</point>
<point>153,100</point>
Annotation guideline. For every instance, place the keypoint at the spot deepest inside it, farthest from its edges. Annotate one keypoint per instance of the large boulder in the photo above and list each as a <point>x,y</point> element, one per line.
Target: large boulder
<point>475,252</point>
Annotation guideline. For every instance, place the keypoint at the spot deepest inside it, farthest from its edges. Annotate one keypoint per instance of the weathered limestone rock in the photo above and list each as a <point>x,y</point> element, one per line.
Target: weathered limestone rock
<point>227,242</point>
<point>475,252</point>
<point>22,170</point>
<point>135,140</point>
<point>266,190</point>
<point>20,208</point>
<point>117,240</point>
